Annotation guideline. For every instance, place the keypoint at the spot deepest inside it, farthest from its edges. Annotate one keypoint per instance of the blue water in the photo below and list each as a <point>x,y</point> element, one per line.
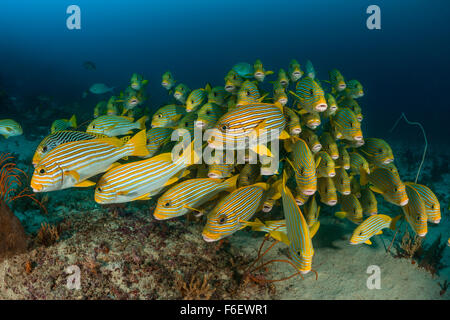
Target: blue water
<point>403,67</point>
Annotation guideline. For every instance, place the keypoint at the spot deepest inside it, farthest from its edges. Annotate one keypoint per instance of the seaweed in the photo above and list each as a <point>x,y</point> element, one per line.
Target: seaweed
<point>195,289</point>
<point>431,257</point>
<point>48,234</point>
<point>409,247</point>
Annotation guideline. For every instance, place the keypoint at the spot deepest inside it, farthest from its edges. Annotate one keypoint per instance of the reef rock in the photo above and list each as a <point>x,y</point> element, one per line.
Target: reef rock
<point>13,239</point>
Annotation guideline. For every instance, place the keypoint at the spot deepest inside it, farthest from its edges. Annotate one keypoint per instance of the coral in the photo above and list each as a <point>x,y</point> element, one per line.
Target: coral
<point>409,247</point>
<point>196,289</point>
<point>444,287</point>
<point>48,234</point>
<point>431,257</point>
<point>12,234</point>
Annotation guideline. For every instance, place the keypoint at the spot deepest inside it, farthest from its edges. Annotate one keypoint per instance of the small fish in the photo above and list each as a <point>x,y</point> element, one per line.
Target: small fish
<point>181,92</point>
<point>368,201</point>
<point>311,139</point>
<point>168,115</point>
<point>137,82</point>
<point>415,211</point>
<point>218,96</point>
<point>100,88</point>
<point>311,120</point>
<point>10,128</point>
<point>332,105</point>
<point>283,78</point>
<point>273,194</point>
<point>208,115</point>
<point>259,72</point>
<point>197,97</point>
<point>112,107</point>
<point>71,164</point>
<point>279,94</point>
<point>63,124</point>
<point>220,171</point>
<point>115,125</point>
<point>350,208</point>
<point>310,95</point>
<point>233,81</point>
<point>345,125</point>
<point>132,98</point>
<point>344,158</point>
<point>244,70</point>
<point>372,226</point>
<point>295,71</point>
<point>311,211</point>
<point>167,80</point>
<point>386,183</point>
<point>248,93</point>
<point>377,151</point>
<point>353,105</point>
<point>301,248</point>
<point>355,187</point>
<point>189,195</point>
<point>276,229</point>
<point>293,121</point>
<point>353,90</point>
<point>156,138</point>
<point>232,211</point>
<point>248,174</point>
<point>342,181</point>
<point>100,109</point>
<point>58,138</point>
<point>358,163</point>
<point>326,166</point>
<point>310,72</point>
<point>89,65</point>
<point>432,205</point>
<point>329,145</point>
<point>327,191</point>
<point>337,81</point>
<point>143,179</point>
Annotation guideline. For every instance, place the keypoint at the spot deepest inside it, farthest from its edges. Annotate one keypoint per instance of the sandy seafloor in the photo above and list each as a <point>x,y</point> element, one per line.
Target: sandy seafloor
<point>130,255</point>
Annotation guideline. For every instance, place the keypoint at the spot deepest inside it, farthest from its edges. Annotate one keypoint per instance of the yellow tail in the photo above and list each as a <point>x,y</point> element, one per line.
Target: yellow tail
<point>138,145</point>
<point>73,121</point>
<point>141,122</point>
<point>231,183</point>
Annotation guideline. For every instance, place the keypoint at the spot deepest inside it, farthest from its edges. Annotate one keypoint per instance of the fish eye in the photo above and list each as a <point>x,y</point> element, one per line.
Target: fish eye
<point>248,93</point>
<point>42,171</point>
<point>222,219</point>
<point>93,127</point>
<point>234,77</point>
<point>224,127</point>
<point>160,115</point>
<point>380,150</point>
<point>166,204</point>
<point>208,112</point>
<point>395,189</point>
<point>99,189</point>
<point>44,149</point>
<point>311,92</point>
<point>192,101</point>
<point>351,125</point>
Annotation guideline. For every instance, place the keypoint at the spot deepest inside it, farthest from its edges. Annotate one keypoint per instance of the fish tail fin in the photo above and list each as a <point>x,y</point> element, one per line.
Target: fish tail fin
<point>394,222</point>
<point>137,145</point>
<point>231,183</point>
<point>314,228</point>
<point>73,121</point>
<point>141,122</point>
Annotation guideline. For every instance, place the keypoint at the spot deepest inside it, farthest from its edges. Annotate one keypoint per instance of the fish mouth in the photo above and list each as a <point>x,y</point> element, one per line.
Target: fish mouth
<point>332,174</point>
<point>333,108</point>
<point>158,216</point>
<point>214,175</point>
<point>283,101</point>
<point>200,124</point>
<point>297,73</point>
<point>422,234</point>
<point>404,203</point>
<point>359,118</point>
<point>299,202</point>
<point>342,86</point>
<point>332,202</point>
<point>335,157</point>
<point>436,221</point>
<point>267,208</point>
<point>284,82</point>
<point>208,239</point>
<point>321,107</point>
<point>296,131</point>
<point>312,125</point>
<point>229,88</point>
<point>358,138</point>
<point>346,167</point>
<point>388,161</point>
<point>134,101</point>
<point>309,192</point>
<point>177,95</point>
<point>316,148</point>
<point>135,86</point>
<point>346,193</point>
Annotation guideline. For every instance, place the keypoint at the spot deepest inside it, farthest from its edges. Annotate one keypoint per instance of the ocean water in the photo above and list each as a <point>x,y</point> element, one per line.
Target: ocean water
<point>403,67</point>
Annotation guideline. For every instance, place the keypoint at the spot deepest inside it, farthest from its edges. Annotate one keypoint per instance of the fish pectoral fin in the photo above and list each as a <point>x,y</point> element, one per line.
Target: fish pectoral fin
<point>262,150</point>
<point>375,189</point>
<point>379,232</point>
<point>73,174</point>
<point>171,181</point>
<point>340,214</point>
<point>194,209</point>
<point>368,242</point>
<point>85,184</point>
<point>115,164</point>
<point>284,135</point>
<point>146,196</point>
<point>280,236</point>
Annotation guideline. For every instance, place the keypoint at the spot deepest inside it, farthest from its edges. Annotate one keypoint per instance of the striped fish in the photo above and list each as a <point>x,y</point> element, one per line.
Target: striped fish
<point>311,211</point>
<point>115,125</point>
<point>248,93</point>
<point>344,158</point>
<point>279,94</point>
<point>337,81</point>
<point>181,92</point>
<point>187,122</point>
<point>197,97</point>
<point>368,202</point>
<point>353,90</point>
<point>168,116</point>
<point>295,71</point>
<point>386,183</point>
<point>310,95</point>
<point>300,197</point>
<point>137,81</point>
<point>143,179</point>
<point>259,72</point>
<point>218,96</point>
<point>304,168</point>
<point>208,115</point>
<point>10,128</point>
<point>244,70</point>
<point>329,145</point>
<point>283,78</point>
<point>276,229</point>
<point>355,187</point>
<point>219,171</point>
<point>190,195</point>
<point>132,98</point>
<point>326,167</point>
<point>332,105</point>
<point>310,72</point>
<point>233,81</point>
<point>112,107</point>
<point>273,194</point>
<point>156,138</point>
<point>311,139</point>
<point>377,151</point>
<point>311,120</point>
<point>342,181</point>
<point>234,209</point>
<point>358,163</point>
<point>346,126</point>
<point>327,191</point>
<point>63,124</point>
<point>58,138</point>
<point>167,80</point>
<point>350,208</point>
<point>251,124</point>
<point>293,121</point>
<point>351,104</point>
<point>432,205</point>
<point>372,226</point>
<point>248,174</point>
<point>72,163</point>
<point>415,211</point>
<point>301,248</point>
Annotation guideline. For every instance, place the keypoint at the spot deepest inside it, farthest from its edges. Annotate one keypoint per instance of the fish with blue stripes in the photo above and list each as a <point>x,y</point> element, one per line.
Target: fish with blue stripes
<point>377,151</point>
<point>358,162</point>
<point>329,145</point>
<point>208,115</point>
<point>342,181</point>
<point>156,138</point>
<point>310,95</point>
<point>415,211</point>
<point>259,72</point>
<point>327,191</point>
<point>168,81</point>
<point>345,125</point>
<point>368,202</point>
<point>432,205</point>
<point>233,81</point>
<point>311,139</point>
<point>64,124</point>
<point>10,128</point>
<point>350,208</point>
<point>295,70</point>
<point>218,95</point>
<point>197,97</point>
<point>115,125</point>
<point>337,80</point>
<point>353,105</point>
<point>326,167</point>
<point>248,93</point>
<point>181,92</point>
<point>372,226</point>
<point>168,116</point>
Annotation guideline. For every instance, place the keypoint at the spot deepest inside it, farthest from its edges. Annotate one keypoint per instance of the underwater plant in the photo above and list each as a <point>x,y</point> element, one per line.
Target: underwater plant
<point>195,289</point>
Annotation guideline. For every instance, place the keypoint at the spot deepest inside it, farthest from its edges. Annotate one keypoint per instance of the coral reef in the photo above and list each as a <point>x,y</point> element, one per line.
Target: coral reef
<point>196,289</point>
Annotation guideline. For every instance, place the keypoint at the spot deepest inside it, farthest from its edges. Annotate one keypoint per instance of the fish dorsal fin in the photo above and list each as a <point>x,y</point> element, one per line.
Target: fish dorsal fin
<point>263,185</point>
<point>167,157</point>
